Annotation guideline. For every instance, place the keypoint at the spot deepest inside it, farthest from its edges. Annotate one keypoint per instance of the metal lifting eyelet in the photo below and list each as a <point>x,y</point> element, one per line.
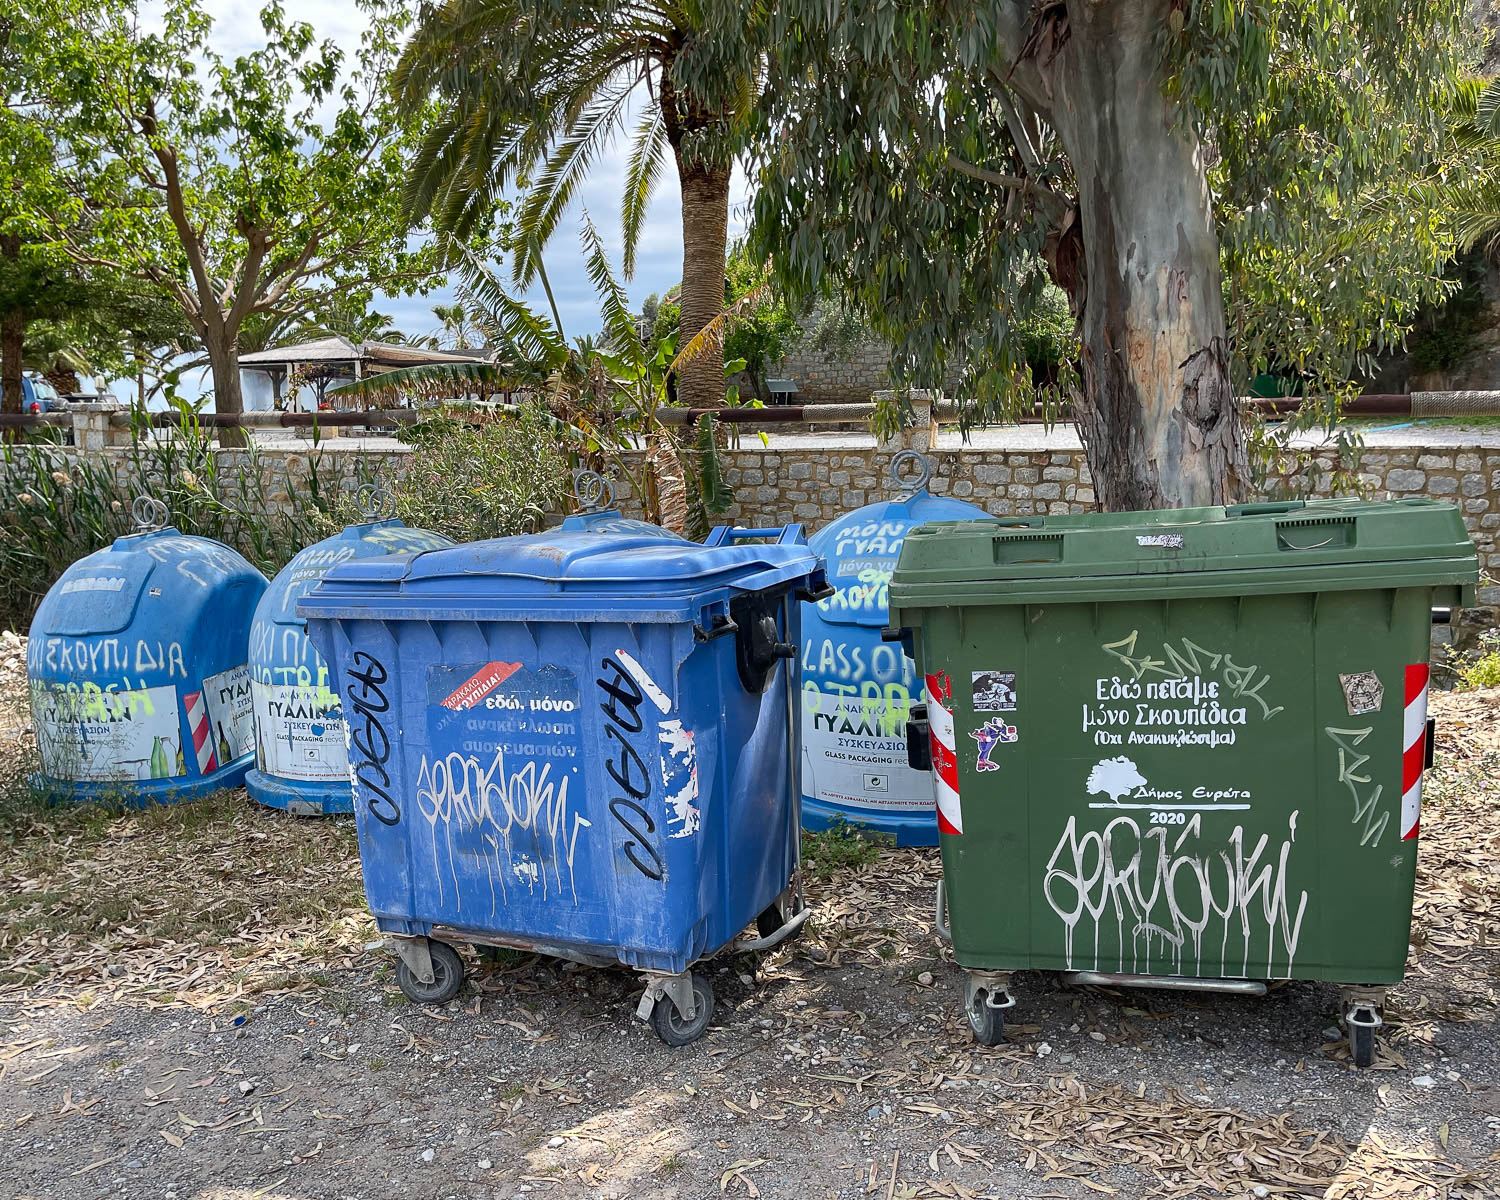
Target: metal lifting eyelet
<point>149,514</point>
<point>592,491</point>
<point>917,482</point>
<point>375,503</point>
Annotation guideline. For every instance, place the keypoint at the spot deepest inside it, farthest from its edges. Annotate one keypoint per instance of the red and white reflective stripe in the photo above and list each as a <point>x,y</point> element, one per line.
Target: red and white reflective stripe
<point>203,742</point>
<point>1413,749</point>
<point>950,815</point>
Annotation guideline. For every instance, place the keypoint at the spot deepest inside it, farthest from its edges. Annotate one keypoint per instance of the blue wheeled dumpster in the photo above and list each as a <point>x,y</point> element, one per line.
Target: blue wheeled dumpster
<point>136,665</point>
<point>577,743</point>
<point>301,763</point>
<point>857,689</point>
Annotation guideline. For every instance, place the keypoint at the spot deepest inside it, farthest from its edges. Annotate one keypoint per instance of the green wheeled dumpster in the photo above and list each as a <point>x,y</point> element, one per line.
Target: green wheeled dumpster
<point>1180,749</point>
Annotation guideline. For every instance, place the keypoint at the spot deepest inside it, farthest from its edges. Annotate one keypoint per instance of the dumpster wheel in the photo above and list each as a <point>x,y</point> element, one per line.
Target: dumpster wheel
<point>447,976</point>
<point>986,997</point>
<point>1362,1045</point>
<point>672,1027</point>
<point>1363,1007</point>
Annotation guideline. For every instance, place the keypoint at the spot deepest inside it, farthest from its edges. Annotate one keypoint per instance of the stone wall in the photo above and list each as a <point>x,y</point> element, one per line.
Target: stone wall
<point>813,483</point>
<point>850,378</point>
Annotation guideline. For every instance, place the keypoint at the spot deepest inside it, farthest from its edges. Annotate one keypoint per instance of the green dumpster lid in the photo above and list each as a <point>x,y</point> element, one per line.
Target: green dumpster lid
<point>1288,546</point>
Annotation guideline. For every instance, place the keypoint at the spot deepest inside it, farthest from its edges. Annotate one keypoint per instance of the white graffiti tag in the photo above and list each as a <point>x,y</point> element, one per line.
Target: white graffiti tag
<point>1185,660</point>
<point>1370,823</point>
<point>1165,899</point>
<point>490,805</point>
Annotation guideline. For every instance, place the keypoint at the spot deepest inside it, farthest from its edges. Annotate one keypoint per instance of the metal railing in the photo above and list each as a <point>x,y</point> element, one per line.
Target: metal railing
<point>942,412</point>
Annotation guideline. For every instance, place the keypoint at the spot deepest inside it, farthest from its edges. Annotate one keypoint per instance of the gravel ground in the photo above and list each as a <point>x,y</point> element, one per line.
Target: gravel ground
<point>187,1009</point>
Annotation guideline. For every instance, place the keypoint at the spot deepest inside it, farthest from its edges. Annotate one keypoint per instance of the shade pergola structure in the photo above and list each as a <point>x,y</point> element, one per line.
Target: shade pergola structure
<point>325,360</point>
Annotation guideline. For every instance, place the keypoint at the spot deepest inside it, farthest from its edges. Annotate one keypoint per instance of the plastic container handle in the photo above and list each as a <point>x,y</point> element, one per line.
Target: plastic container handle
<point>783,534</point>
<point>1265,509</point>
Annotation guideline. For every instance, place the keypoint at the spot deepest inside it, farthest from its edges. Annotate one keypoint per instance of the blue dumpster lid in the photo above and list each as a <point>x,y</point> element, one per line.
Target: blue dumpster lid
<point>560,575</point>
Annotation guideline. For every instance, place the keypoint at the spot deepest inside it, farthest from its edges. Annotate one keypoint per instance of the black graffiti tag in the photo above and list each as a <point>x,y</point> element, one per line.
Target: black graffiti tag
<point>622,710</point>
<point>367,737</point>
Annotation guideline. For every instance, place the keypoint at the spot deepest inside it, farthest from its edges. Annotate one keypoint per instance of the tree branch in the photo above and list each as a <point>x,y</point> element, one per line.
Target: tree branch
<point>1015,183</point>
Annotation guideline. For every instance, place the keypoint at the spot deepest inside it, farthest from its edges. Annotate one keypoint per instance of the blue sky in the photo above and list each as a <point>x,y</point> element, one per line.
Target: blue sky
<point>659,258</point>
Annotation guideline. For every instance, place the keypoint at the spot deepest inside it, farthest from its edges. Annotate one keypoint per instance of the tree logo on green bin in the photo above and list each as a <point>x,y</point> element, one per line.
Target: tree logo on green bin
<point>1115,777</point>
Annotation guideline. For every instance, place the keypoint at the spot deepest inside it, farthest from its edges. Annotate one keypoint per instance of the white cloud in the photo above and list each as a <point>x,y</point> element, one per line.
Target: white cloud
<point>237,29</point>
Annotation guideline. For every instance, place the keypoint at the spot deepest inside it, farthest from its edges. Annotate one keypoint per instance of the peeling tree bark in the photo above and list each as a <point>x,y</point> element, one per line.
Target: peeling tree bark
<point>1158,413</point>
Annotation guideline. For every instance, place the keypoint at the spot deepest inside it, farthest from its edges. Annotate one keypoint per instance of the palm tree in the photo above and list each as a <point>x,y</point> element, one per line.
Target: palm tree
<point>525,97</point>
<point>455,329</point>
<point>1475,193</point>
<point>600,395</point>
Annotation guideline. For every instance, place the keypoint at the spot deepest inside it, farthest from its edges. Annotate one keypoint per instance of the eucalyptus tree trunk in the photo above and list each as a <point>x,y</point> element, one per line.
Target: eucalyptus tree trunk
<point>705,234</point>
<point>1139,256</point>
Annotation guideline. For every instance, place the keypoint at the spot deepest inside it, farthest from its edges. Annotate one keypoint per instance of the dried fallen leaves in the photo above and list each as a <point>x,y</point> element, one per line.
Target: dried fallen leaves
<point>195,905</point>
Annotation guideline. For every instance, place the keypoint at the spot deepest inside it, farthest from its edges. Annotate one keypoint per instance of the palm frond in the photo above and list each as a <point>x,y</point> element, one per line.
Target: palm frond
<point>553,189</point>
<point>430,381</point>
<point>505,319</point>
<point>1487,109</point>
<point>641,174</point>
<point>619,324</point>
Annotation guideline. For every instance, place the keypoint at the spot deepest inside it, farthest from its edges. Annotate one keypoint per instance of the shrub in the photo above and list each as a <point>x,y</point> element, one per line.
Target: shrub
<point>474,481</point>
<point>1482,671</point>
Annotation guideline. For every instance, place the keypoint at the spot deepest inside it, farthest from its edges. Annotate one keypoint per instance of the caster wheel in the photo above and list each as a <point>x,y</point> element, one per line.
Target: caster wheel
<point>668,1022</point>
<point>769,921</point>
<point>447,976</point>
<point>1362,1045</point>
<point>987,1024</point>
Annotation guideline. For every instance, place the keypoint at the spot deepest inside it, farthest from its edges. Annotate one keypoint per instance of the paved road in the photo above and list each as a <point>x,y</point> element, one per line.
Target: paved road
<point>1394,434</point>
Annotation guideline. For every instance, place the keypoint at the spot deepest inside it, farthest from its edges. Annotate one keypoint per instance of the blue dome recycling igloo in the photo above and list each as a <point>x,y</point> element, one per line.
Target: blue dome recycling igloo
<point>858,689</point>
<point>301,760</point>
<point>136,665</point>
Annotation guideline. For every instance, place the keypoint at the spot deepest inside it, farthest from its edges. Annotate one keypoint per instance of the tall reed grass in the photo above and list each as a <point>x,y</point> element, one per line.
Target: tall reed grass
<point>56,507</point>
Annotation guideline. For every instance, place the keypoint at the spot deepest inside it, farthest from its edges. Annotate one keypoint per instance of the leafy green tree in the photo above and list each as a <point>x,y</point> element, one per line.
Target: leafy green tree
<point>231,185</point>
<point>765,327</point>
<point>33,282</point>
<point>924,157</point>
<point>601,398</point>
<point>533,91</point>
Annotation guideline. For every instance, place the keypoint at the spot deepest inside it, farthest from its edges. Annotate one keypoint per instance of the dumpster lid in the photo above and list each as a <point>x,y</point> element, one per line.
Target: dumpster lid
<point>1247,548</point>
<point>861,549</point>
<point>99,593</point>
<point>502,577</point>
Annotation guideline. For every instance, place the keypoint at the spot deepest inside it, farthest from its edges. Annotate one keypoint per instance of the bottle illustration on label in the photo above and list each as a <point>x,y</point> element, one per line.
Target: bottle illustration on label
<point>224,752</point>
<point>161,766</point>
<point>181,765</point>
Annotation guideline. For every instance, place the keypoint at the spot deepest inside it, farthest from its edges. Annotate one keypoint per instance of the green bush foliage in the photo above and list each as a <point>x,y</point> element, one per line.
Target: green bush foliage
<point>473,481</point>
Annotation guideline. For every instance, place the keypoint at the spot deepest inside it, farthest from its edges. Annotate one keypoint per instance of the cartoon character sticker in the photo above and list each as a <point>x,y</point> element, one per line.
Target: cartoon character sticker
<point>992,733</point>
